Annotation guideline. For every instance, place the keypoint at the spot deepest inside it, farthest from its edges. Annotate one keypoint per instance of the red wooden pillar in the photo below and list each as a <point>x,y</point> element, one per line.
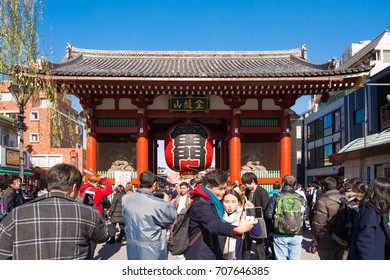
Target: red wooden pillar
<point>142,143</point>
<point>285,146</point>
<point>91,146</point>
<point>235,149</point>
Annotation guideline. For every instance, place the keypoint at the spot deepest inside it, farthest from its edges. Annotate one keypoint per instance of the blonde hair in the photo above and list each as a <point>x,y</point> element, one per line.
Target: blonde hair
<point>96,178</point>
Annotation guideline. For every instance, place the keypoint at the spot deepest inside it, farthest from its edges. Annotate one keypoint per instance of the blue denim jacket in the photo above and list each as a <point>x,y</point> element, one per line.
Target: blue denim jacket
<point>147,219</point>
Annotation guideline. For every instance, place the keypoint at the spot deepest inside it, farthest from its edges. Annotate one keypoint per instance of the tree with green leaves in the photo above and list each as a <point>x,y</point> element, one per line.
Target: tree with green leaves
<point>21,62</point>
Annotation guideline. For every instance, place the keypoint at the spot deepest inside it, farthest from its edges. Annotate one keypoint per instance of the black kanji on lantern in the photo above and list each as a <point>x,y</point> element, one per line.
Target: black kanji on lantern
<point>189,147</point>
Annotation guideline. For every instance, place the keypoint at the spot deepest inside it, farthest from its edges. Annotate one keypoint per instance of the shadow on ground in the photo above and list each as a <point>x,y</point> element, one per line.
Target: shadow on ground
<point>108,250</point>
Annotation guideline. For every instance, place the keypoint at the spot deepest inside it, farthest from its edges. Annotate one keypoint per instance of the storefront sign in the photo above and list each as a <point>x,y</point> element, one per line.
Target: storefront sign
<point>189,104</point>
<point>12,157</point>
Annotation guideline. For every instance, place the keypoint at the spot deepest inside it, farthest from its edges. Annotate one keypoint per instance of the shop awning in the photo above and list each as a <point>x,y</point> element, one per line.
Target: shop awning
<point>15,171</point>
<point>374,145</point>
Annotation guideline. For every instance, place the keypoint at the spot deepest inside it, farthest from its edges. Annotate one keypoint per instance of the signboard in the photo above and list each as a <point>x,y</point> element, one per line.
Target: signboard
<point>122,177</point>
<point>189,104</point>
<point>12,157</point>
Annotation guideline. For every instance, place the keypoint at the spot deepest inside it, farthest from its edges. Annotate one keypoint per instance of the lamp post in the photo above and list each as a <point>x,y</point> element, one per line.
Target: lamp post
<point>21,95</point>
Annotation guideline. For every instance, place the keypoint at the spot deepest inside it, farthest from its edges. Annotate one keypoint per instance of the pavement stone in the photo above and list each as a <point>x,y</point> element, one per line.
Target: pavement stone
<point>117,251</point>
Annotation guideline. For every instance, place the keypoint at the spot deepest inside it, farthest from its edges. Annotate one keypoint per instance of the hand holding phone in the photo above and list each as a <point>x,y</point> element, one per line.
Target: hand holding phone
<point>253,213</point>
<point>88,197</point>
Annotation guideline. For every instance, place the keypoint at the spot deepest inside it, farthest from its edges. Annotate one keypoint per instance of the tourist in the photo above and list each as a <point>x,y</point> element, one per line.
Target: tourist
<point>147,219</point>
<point>206,219</point>
<point>54,226</point>
<point>371,233</point>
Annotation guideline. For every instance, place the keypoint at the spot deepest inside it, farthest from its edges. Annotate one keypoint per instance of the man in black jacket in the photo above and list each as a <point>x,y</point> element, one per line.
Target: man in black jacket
<point>256,196</point>
<point>13,196</point>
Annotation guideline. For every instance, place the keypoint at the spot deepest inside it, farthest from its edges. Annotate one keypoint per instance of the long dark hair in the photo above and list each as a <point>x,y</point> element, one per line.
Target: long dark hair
<point>379,195</point>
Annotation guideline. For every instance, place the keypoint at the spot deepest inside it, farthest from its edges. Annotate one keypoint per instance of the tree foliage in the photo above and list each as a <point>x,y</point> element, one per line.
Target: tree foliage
<point>21,61</point>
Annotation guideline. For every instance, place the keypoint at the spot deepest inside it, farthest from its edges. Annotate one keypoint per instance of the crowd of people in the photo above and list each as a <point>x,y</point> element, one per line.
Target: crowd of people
<point>221,225</point>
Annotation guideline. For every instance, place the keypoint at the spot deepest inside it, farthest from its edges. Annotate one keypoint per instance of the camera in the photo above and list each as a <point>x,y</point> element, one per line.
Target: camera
<point>159,194</point>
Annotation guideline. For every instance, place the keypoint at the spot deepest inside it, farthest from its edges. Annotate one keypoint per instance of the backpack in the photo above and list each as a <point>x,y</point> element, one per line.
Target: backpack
<point>342,229</point>
<point>289,212</point>
<point>179,240</point>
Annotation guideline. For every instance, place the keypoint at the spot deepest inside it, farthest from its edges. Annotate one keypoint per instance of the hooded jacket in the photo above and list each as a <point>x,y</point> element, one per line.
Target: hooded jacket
<point>100,193</point>
<point>323,219</point>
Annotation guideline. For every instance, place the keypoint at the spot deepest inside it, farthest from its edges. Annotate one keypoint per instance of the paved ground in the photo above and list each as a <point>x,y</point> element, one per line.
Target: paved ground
<point>117,251</point>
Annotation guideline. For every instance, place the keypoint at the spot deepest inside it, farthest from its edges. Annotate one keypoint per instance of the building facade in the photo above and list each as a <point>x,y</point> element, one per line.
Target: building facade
<point>330,126</point>
<point>43,148</point>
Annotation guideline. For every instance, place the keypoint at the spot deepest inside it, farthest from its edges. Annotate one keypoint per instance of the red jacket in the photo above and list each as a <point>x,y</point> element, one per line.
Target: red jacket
<point>100,193</point>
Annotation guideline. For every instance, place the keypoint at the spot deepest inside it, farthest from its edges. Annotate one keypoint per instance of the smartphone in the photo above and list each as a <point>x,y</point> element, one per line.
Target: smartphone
<point>88,197</point>
<point>253,213</point>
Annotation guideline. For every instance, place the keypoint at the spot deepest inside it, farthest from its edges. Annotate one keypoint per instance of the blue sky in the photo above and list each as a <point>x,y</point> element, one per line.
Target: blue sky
<point>326,27</point>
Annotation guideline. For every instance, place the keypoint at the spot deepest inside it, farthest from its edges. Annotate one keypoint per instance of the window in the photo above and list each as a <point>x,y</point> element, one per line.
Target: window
<point>55,142</point>
<point>319,128</point>
<point>328,124</point>
<point>4,140</point>
<point>337,147</point>
<point>386,55</point>
<point>34,116</point>
<point>34,137</point>
<point>45,160</point>
<point>311,131</point>
<point>337,121</point>
<point>328,121</point>
<point>328,150</point>
<point>299,157</point>
<point>79,129</point>
<point>11,115</point>
<point>299,132</point>
<point>319,156</point>
<point>376,55</point>
<point>310,159</point>
<point>43,103</point>
<point>358,116</point>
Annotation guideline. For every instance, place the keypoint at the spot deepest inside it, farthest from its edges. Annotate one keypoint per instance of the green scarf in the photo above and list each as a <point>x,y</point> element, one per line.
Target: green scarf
<point>218,204</point>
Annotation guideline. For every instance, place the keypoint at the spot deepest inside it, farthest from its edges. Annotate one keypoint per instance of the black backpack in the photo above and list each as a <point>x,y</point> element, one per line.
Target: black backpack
<point>179,240</point>
<point>342,229</point>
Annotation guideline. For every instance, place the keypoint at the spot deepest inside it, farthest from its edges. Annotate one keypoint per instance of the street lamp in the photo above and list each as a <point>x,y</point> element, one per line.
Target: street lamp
<point>21,95</point>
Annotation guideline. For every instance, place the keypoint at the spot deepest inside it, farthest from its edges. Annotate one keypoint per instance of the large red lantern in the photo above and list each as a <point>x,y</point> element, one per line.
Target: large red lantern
<point>188,148</point>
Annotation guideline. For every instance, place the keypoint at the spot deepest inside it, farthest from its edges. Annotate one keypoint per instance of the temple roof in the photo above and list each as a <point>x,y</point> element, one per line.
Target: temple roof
<point>193,64</point>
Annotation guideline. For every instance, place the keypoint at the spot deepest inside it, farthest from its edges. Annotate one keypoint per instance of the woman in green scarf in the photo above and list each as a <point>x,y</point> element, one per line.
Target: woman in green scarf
<point>208,229</point>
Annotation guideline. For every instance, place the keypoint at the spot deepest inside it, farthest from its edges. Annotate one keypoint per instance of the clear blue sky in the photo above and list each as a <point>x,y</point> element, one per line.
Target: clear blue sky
<point>327,27</point>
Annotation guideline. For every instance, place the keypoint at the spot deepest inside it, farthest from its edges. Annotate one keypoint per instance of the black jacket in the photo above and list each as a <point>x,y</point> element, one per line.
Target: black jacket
<point>115,211</point>
<point>204,217</point>
<point>12,199</point>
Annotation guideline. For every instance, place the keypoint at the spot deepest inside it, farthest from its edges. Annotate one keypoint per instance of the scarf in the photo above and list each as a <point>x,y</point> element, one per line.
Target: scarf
<point>217,203</point>
<point>229,252</point>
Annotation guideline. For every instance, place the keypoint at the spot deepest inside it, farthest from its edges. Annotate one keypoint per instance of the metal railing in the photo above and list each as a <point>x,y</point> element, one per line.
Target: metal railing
<point>264,174</point>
